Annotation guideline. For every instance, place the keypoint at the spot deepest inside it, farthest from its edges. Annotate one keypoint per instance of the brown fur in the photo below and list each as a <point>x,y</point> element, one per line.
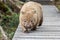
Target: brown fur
<point>30,16</point>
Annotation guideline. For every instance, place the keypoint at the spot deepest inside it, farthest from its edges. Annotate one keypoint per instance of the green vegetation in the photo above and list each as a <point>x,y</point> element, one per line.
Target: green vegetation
<point>57,3</point>
<point>58,6</point>
<point>0,35</point>
<point>9,24</point>
<point>8,20</point>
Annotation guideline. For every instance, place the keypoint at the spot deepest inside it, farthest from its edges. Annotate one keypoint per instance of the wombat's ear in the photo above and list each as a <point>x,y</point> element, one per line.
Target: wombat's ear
<point>22,12</point>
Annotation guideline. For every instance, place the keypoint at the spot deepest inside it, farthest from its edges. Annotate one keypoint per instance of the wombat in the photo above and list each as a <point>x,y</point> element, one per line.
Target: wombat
<point>31,16</point>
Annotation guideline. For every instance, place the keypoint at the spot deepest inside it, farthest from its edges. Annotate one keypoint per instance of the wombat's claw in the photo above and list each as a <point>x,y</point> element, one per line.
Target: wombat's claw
<point>26,31</point>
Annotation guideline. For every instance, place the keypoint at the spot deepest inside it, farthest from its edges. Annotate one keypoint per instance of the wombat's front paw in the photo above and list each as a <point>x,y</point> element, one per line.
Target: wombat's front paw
<point>26,31</point>
<point>33,29</point>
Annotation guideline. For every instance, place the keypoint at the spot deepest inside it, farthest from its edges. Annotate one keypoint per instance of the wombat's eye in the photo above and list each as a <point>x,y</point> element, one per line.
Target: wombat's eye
<point>24,21</point>
<point>22,12</point>
<point>31,21</point>
<point>34,11</point>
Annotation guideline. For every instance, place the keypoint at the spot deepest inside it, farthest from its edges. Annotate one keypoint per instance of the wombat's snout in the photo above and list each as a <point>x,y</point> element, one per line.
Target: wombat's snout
<point>28,26</point>
<point>28,29</point>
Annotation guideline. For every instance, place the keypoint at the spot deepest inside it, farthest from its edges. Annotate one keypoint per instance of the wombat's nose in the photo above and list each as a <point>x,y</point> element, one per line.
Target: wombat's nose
<point>28,26</point>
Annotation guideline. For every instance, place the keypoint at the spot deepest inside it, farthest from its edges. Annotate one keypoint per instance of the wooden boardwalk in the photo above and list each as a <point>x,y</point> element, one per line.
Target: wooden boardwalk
<point>50,30</point>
